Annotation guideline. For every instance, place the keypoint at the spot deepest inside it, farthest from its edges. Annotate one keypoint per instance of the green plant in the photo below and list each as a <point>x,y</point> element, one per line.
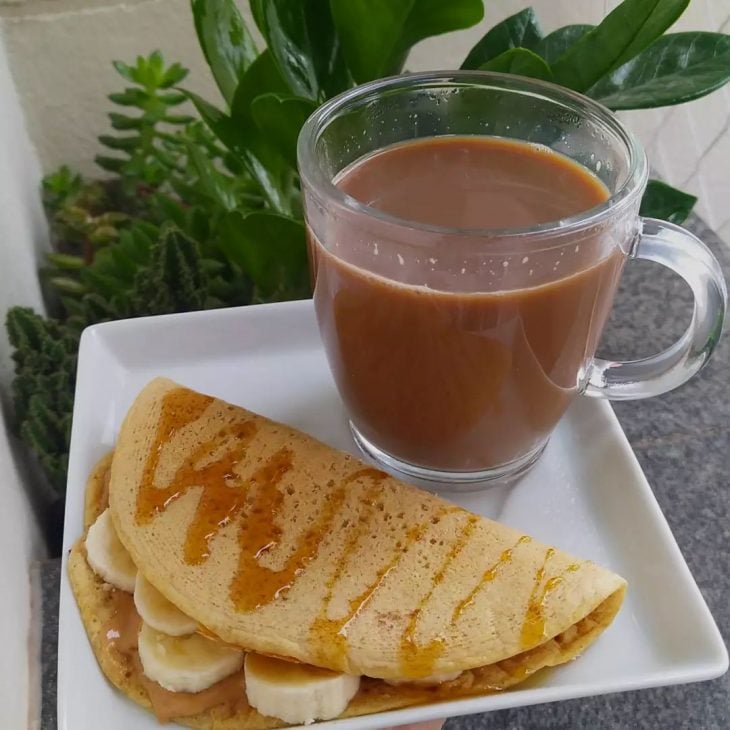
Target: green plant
<point>318,48</point>
<point>143,241</point>
<point>148,145</point>
<point>170,275</point>
<point>625,62</point>
<point>177,173</point>
<point>80,219</point>
<point>205,211</point>
<point>45,373</point>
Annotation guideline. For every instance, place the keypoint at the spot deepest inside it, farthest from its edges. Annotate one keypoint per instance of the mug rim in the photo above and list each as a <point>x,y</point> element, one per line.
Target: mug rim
<point>313,176</point>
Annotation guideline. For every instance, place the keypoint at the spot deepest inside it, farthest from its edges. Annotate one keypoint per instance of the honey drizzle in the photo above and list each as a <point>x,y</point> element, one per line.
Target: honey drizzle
<point>417,660</point>
<point>414,535</point>
<point>254,585</point>
<point>180,408</point>
<point>533,626</point>
<point>224,494</point>
<point>225,497</point>
<point>330,642</point>
<point>335,630</point>
<point>488,576</point>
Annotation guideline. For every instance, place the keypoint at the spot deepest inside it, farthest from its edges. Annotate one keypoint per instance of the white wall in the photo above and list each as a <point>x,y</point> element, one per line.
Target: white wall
<point>61,53</point>
<point>22,232</point>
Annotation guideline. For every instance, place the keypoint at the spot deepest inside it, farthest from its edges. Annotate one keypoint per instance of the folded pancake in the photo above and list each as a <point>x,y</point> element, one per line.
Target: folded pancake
<point>281,545</point>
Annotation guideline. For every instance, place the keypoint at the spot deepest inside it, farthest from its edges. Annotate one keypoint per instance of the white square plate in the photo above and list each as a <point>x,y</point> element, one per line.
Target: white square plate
<point>587,495</point>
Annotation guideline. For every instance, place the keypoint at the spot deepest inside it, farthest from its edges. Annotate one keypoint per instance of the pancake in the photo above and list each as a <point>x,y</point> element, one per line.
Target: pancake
<point>279,544</point>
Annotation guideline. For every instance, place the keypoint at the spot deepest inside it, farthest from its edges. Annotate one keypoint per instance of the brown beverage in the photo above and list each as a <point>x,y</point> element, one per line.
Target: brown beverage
<point>467,364</point>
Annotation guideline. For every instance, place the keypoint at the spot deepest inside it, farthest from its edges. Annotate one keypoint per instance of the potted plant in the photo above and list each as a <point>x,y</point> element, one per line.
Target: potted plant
<point>203,210</point>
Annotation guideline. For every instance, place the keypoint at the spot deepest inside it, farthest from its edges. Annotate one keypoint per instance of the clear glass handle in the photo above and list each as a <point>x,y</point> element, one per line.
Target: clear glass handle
<point>684,253</point>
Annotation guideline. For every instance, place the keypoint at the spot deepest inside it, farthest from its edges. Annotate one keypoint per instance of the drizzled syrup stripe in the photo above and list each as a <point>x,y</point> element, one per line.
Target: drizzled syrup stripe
<point>487,577</point>
<point>418,660</point>
<point>226,496</point>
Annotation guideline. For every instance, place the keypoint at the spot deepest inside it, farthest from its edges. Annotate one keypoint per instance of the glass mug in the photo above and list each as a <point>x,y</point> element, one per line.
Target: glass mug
<point>459,378</point>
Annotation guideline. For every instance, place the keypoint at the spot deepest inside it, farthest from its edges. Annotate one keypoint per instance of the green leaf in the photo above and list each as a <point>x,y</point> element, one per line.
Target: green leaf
<point>167,208</point>
<point>624,33</point>
<point>100,283</point>
<point>155,67</point>
<point>130,97</point>
<point>520,30</point>
<point>110,164</point>
<point>62,184</point>
<point>555,44</point>
<point>210,181</point>
<point>370,31</point>
<point>135,244</point>
<point>271,249</point>
<point>262,77</point>
<point>172,98</point>
<point>676,68</point>
<point>435,17</point>
<point>126,72</point>
<point>66,261</point>
<point>67,285</point>
<point>122,122</point>
<point>244,139</point>
<point>73,306</point>
<point>521,62</point>
<point>280,118</point>
<point>178,119</point>
<point>173,76</point>
<point>217,121</point>
<point>113,261</point>
<point>376,34</point>
<point>226,42</point>
<point>302,39</point>
<point>666,203</point>
<point>120,143</point>
<point>257,11</point>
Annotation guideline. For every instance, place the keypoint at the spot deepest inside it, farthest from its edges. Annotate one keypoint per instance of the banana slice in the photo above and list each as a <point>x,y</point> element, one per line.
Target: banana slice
<point>185,663</point>
<point>296,693</point>
<point>156,611</point>
<point>107,556</point>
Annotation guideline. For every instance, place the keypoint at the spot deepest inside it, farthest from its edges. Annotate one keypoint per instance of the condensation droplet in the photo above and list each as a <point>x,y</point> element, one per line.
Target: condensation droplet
<point>400,259</point>
<point>525,259</point>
